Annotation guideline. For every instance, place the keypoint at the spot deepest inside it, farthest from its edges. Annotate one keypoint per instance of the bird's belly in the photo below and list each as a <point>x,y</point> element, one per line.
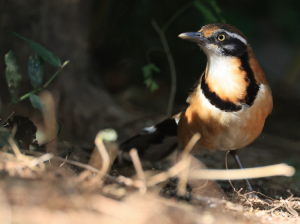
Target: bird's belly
<point>238,130</point>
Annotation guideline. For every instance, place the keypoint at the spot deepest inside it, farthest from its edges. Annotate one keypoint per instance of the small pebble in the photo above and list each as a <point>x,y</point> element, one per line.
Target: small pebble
<point>212,205</point>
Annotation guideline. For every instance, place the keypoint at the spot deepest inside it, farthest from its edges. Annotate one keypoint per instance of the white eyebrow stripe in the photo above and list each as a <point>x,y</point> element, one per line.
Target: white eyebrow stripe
<point>236,36</point>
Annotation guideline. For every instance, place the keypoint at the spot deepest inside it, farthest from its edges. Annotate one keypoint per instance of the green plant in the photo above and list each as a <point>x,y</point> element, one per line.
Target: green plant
<point>35,73</point>
<point>148,77</point>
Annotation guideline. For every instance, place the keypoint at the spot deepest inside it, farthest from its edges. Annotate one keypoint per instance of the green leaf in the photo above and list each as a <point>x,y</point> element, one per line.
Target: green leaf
<point>13,76</point>
<point>36,101</point>
<point>18,35</point>
<point>45,54</point>
<point>4,135</point>
<point>150,83</point>
<point>147,72</point>
<point>206,12</point>
<point>35,70</point>
<point>153,86</point>
<point>41,51</point>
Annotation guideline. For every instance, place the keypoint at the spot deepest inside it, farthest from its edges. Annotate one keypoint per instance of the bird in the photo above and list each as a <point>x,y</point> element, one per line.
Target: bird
<point>228,105</point>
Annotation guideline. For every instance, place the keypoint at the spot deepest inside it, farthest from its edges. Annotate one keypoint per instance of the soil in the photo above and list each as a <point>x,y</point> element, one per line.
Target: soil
<point>60,192</point>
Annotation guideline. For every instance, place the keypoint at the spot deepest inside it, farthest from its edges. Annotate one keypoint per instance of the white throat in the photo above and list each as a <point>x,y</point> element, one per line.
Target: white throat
<point>225,76</point>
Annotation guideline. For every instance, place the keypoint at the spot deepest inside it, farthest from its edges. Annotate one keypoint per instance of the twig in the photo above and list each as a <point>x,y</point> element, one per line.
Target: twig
<point>161,33</point>
<point>161,177</point>
<point>103,152</point>
<point>7,118</point>
<point>188,148</point>
<point>41,159</point>
<point>237,174</point>
<point>55,74</point>
<point>285,203</point>
<point>201,187</point>
<point>183,177</point>
<point>82,165</point>
<point>186,159</point>
<point>139,170</point>
<point>171,64</point>
<point>29,161</point>
<point>15,148</point>
<point>175,16</point>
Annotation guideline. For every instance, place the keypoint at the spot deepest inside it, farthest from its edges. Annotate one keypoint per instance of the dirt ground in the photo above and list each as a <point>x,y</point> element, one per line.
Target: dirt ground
<point>59,193</point>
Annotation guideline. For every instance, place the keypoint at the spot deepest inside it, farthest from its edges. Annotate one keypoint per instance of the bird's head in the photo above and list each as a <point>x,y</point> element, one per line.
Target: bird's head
<point>219,39</point>
<point>232,71</point>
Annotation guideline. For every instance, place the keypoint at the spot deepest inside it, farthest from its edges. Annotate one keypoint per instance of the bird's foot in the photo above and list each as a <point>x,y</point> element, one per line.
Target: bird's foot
<point>247,194</point>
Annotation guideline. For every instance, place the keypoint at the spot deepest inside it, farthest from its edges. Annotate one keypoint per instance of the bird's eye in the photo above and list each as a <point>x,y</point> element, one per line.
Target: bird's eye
<point>221,37</point>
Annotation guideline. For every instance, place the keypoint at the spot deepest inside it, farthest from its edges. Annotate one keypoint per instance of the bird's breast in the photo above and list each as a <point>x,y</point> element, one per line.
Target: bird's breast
<point>221,130</point>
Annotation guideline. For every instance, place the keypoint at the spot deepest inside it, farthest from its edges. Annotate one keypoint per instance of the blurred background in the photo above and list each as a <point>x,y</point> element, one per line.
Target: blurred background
<point>115,52</point>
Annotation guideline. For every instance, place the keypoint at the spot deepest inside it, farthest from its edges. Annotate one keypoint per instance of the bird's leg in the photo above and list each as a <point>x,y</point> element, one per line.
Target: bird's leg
<point>235,153</point>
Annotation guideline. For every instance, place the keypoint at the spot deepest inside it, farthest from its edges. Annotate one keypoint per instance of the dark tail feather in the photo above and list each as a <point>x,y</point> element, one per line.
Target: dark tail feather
<point>154,143</point>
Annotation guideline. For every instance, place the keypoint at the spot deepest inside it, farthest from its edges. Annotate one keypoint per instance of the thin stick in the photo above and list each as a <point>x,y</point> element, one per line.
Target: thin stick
<point>161,177</point>
<point>82,165</point>
<point>190,145</point>
<point>15,148</point>
<point>237,174</point>
<point>7,118</point>
<point>183,177</point>
<point>41,159</point>
<point>139,170</point>
<point>277,206</point>
<point>103,152</point>
<point>55,74</point>
<point>176,15</point>
<point>186,159</point>
<point>178,167</point>
<point>171,64</point>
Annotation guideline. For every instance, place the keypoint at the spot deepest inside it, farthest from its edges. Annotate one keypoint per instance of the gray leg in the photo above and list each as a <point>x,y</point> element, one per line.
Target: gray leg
<point>235,153</point>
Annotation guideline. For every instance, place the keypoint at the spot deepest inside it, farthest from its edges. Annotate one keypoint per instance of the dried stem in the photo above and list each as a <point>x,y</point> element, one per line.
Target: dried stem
<point>190,145</point>
<point>171,64</point>
<point>41,159</point>
<point>183,177</point>
<point>82,165</point>
<point>15,148</point>
<point>186,159</point>
<point>161,177</point>
<point>237,174</point>
<point>103,152</point>
<point>139,170</point>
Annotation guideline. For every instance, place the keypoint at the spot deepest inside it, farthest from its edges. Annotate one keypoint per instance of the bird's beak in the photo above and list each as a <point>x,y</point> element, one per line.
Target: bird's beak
<point>194,37</point>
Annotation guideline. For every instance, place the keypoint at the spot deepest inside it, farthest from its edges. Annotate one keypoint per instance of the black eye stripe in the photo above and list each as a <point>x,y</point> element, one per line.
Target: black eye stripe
<point>237,47</point>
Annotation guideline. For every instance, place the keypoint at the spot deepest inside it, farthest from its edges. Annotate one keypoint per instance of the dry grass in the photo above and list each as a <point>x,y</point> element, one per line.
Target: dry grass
<point>35,190</point>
